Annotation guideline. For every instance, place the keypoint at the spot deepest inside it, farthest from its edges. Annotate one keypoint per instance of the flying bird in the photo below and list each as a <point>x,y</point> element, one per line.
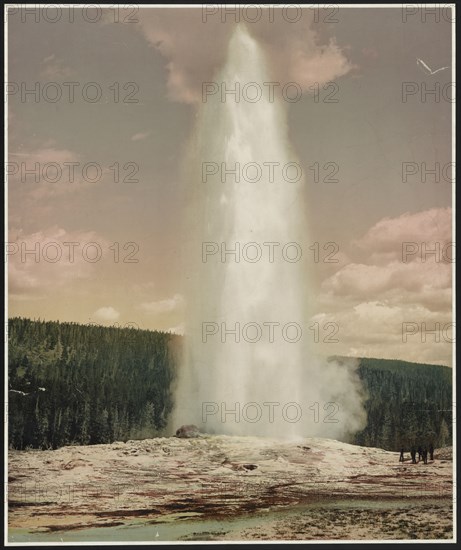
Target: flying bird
<point>420,62</point>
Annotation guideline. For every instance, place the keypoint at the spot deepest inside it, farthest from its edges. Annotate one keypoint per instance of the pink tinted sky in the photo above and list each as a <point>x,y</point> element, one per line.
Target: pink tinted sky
<point>369,134</point>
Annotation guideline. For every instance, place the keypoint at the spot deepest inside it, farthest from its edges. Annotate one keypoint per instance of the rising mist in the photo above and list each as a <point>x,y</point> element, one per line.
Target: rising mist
<point>246,370</point>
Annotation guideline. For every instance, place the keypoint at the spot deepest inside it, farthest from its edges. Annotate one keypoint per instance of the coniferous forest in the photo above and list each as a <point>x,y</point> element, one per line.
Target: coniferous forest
<point>72,384</point>
<point>86,384</point>
<point>408,404</point>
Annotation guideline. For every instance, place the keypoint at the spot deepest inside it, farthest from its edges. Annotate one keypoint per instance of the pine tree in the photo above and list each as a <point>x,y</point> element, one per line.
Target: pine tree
<point>444,434</point>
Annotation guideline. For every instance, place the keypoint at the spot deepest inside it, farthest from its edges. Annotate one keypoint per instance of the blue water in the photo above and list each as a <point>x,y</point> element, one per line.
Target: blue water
<point>190,529</point>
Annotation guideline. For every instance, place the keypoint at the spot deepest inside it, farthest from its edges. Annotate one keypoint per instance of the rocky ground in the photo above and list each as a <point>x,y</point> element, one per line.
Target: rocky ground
<point>309,489</point>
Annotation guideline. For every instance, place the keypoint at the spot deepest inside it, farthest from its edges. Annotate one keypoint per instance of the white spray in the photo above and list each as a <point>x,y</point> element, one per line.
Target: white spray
<point>247,368</point>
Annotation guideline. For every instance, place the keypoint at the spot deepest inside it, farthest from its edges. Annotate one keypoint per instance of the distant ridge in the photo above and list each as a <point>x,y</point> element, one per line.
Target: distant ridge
<point>389,364</point>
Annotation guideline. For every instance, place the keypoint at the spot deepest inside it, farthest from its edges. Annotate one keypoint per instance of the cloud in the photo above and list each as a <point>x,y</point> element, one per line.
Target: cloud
<point>41,262</point>
<point>380,329</point>
<point>43,156</point>
<point>364,281</point>
<point>107,313</point>
<point>43,172</point>
<point>139,136</point>
<point>48,171</point>
<point>296,53</point>
<point>384,241</point>
<point>163,306</point>
<point>385,271</point>
<point>194,50</point>
<point>370,298</point>
<point>54,68</point>
<point>180,329</point>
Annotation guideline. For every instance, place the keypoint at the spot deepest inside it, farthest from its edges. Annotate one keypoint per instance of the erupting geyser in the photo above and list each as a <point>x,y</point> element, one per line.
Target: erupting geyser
<point>247,368</point>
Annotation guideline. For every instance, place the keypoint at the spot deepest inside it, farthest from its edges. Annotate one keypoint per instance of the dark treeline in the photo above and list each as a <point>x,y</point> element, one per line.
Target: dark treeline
<point>99,384</point>
<point>79,384</point>
<point>408,404</point>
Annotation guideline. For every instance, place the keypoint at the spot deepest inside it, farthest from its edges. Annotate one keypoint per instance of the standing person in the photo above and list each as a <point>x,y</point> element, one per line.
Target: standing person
<point>413,455</point>
<point>420,453</point>
<point>424,454</point>
<point>402,458</point>
<point>431,451</point>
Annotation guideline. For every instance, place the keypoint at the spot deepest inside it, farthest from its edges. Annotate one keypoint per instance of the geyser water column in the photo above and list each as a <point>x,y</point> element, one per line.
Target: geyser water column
<point>248,368</point>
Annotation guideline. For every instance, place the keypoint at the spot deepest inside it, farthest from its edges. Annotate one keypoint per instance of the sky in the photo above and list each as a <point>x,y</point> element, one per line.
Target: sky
<point>102,105</point>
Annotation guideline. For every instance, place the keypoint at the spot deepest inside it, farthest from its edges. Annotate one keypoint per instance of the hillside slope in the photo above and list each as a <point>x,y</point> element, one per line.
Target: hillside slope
<point>80,384</point>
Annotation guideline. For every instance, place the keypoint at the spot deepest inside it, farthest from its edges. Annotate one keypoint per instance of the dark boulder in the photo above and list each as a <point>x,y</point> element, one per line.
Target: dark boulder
<point>188,431</point>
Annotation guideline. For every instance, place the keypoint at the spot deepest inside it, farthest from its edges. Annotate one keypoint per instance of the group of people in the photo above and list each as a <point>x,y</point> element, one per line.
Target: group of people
<point>421,451</point>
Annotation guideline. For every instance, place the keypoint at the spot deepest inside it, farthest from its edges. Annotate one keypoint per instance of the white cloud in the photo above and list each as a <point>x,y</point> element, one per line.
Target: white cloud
<point>384,241</point>
<point>385,272</point>
<point>107,313</point>
<point>364,281</point>
<point>194,50</point>
<point>163,306</point>
<point>139,136</point>
<point>380,329</point>
<point>370,299</point>
<point>52,258</point>
<point>43,172</point>
<point>179,329</point>
<point>48,171</point>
